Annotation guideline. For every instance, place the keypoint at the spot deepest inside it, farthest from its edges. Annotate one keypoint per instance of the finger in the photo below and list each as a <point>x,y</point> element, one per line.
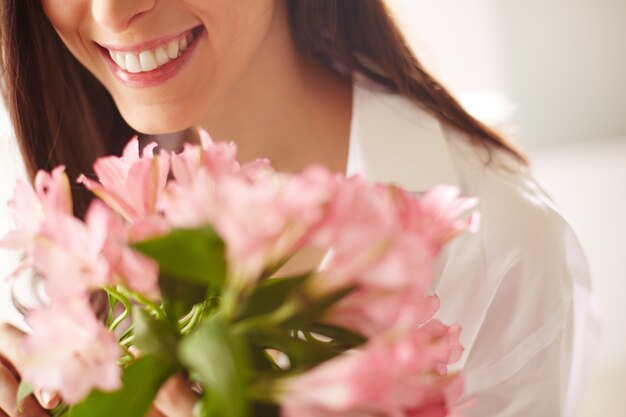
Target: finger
<point>175,398</point>
<point>47,399</point>
<point>11,342</point>
<point>155,413</point>
<point>8,398</point>
<point>13,358</point>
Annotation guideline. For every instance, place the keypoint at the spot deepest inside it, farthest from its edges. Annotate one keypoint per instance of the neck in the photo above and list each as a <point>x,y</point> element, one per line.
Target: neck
<point>287,107</point>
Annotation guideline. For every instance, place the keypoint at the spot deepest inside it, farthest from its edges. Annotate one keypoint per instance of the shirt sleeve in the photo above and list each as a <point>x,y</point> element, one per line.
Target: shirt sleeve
<point>518,290</point>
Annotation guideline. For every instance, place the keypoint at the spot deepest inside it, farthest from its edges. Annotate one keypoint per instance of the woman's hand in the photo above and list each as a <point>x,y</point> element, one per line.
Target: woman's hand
<point>11,360</point>
<point>175,399</point>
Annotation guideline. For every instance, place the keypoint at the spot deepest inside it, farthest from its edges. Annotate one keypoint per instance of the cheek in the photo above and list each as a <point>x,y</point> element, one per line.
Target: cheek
<point>68,17</point>
<point>65,15</point>
<point>236,27</point>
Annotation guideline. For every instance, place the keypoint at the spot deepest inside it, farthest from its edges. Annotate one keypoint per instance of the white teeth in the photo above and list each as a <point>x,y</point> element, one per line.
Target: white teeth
<point>161,56</point>
<point>132,63</point>
<point>120,59</point>
<point>172,50</point>
<point>150,60</point>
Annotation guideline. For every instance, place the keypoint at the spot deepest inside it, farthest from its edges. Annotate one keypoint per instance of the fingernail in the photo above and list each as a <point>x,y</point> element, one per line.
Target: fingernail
<point>48,398</point>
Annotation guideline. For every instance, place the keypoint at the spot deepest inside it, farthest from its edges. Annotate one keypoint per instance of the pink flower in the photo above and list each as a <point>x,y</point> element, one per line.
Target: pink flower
<point>30,206</point>
<point>68,253</point>
<point>263,216</point>
<point>70,351</point>
<point>191,199</point>
<point>401,375</point>
<point>391,293</point>
<point>269,216</point>
<point>439,215</point>
<point>357,229</point>
<point>369,224</point>
<point>127,266</point>
<point>384,243</point>
<point>217,158</point>
<point>131,185</point>
<point>192,204</point>
<point>371,311</point>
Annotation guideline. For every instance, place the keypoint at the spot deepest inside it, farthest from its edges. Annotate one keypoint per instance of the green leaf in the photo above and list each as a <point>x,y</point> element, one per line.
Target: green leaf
<point>179,296</point>
<point>302,354</point>
<point>152,336</point>
<point>141,382</point>
<point>192,255</point>
<point>219,360</point>
<point>313,310</point>
<point>342,339</point>
<point>269,295</point>
<point>23,391</point>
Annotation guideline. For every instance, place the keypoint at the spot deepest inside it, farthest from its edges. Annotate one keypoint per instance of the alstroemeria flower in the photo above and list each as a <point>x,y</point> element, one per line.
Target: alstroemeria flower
<point>372,311</point>
<point>399,376</point>
<point>131,185</point>
<point>384,242</point>
<point>190,200</point>
<point>391,292</point>
<point>358,229</point>
<point>69,351</point>
<point>31,206</point>
<point>218,158</point>
<point>268,216</point>
<point>69,253</point>
<point>192,204</point>
<point>439,215</point>
<point>127,266</point>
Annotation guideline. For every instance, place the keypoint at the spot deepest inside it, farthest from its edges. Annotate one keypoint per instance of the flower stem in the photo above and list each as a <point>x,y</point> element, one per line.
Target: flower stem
<point>154,308</point>
<point>125,302</point>
<point>196,315</point>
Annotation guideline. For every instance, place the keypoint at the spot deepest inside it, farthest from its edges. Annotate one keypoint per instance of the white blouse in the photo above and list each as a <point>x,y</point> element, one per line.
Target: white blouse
<point>519,287</point>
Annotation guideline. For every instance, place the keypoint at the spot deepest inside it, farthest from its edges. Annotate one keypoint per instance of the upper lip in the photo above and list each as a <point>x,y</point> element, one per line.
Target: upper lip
<point>146,45</point>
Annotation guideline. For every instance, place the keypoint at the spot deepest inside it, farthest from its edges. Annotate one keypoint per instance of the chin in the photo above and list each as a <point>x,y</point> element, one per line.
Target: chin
<point>158,122</point>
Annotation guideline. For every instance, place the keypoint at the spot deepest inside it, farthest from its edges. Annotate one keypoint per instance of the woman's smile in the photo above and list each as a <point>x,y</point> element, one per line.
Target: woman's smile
<point>167,63</point>
<point>152,62</point>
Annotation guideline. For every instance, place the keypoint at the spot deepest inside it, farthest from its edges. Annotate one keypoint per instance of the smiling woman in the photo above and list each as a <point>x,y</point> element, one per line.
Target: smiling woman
<point>330,82</point>
<point>240,49</point>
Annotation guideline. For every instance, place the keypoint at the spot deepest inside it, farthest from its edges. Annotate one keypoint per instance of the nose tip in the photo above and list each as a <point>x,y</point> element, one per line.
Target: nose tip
<point>117,15</point>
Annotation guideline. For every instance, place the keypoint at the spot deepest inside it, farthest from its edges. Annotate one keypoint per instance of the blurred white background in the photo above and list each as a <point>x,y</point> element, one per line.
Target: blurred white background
<point>552,74</point>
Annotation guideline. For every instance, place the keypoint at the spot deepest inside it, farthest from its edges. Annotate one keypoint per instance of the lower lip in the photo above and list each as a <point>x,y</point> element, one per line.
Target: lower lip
<point>157,76</point>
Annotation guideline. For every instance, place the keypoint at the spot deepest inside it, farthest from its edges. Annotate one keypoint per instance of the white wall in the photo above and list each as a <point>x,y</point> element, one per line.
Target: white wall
<point>567,65</point>
<point>469,62</point>
<point>460,42</point>
<point>562,62</point>
<point>11,167</point>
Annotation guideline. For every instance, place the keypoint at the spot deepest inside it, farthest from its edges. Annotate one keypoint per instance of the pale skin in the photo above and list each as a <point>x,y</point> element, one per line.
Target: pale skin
<point>246,82</point>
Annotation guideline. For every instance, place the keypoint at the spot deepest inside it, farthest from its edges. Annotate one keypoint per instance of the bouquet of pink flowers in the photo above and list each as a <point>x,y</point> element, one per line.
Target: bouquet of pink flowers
<point>189,249</point>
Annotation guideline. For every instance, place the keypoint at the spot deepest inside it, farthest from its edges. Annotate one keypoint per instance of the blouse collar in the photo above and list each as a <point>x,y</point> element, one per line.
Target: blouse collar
<point>394,141</point>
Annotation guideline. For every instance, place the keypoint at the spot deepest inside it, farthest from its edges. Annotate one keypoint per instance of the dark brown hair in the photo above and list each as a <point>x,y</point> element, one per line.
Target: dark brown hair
<point>62,115</point>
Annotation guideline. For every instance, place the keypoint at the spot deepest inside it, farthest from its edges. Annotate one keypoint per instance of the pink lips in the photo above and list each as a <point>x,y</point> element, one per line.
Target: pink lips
<point>159,75</point>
